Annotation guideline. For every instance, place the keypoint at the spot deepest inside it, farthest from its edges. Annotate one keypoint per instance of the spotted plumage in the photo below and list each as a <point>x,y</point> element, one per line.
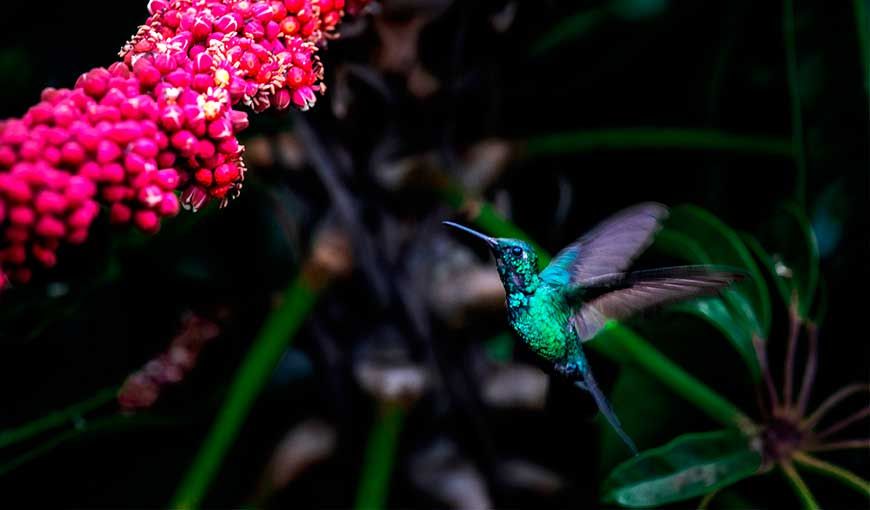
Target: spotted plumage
<point>555,310</point>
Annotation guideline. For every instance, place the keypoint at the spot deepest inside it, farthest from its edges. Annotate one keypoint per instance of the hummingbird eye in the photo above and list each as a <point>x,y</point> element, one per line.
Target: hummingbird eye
<point>517,251</point>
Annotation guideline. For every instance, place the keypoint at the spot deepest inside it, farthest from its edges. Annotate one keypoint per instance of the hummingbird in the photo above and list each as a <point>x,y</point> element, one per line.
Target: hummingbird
<point>586,284</point>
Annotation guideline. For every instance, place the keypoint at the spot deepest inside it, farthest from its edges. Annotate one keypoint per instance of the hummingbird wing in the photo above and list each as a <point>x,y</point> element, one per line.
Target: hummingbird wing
<point>608,249</point>
<point>631,293</point>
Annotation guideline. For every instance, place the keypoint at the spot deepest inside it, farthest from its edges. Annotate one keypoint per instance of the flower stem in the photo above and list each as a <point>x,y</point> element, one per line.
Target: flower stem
<point>380,452</point>
<point>800,488</point>
<point>114,422</point>
<point>843,476</point>
<point>617,337</point>
<point>68,415</point>
<point>655,138</point>
<point>250,378</point>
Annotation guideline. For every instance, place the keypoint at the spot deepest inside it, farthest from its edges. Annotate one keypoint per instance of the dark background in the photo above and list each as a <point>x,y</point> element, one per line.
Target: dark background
<point>712,65</point>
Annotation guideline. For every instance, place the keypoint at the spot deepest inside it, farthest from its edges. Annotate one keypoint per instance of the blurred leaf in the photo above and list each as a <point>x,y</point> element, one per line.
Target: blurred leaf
<point>624,345</point>
<point>735,326</point>
<point>731,314</point>
<point>829,216</point>
<point>638,9</point>
<point>688,467</point>
<point>637,396</point>
<point>724,246</point>
<point>500,347</point>
<point>791,254</point>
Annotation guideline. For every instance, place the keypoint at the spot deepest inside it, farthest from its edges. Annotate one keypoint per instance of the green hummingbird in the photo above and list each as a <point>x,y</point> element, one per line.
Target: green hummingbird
<point>556,310</point>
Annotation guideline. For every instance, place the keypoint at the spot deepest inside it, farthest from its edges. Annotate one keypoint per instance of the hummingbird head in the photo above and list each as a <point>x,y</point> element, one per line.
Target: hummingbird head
<point>517,262</point>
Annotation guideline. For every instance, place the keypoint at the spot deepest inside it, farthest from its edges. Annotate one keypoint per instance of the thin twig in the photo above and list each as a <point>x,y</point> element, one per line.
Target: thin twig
<point>810,367</point>
<point>793,332</point>
<point>328,170</point>
<point>761,354</point>
<point>845,422</point>
<point>833,400</point>
<point>849,444</point>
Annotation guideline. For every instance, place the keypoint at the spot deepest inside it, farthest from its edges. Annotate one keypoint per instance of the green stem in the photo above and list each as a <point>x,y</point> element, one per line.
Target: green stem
<point>797,129</point>
<point>250,378</point>
<point>800,488</point>
<point>843,476</point>
<point>655,138</point>
<point>380,452</point>
<point>617,341</point>
<point>622,344</point>
<point>101,424</point>
<point>862,20</point>
<point>66,416</point>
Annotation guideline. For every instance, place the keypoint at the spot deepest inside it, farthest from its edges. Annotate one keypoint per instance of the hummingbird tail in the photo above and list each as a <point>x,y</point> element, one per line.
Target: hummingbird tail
<point>589,385</point>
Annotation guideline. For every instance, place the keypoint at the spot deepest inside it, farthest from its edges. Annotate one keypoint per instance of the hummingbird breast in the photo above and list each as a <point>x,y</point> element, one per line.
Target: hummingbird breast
<point>541,319</point>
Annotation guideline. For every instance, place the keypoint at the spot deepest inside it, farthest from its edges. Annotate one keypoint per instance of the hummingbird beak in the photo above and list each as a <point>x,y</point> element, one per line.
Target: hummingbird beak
<point>489,240</point>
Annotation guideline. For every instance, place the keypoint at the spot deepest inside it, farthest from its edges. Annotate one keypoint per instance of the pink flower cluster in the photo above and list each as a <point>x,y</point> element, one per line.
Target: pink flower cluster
<point>157,130</point>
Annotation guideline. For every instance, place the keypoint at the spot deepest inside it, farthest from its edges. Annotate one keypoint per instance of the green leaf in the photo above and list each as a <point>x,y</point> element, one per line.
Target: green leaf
<point>723,246</point>
<point>737,325</point>
<point>690,466</point>
<point>732,313</point>
<point>635,408</point>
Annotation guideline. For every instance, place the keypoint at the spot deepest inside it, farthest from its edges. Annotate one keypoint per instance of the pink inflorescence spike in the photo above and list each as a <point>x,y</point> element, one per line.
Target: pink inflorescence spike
<point>158,130</point>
